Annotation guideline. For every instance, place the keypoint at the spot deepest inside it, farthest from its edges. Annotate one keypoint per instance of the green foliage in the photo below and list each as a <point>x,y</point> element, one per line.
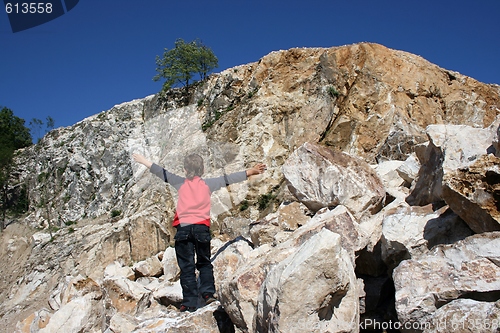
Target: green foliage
<point>244,205</point>
<point>13,135</point>
<point>333,92</point>
<point>115,213</point>
<point>207,61</point>
<point>36,126</point>
<point>265,200</point>
<point>207,125</point>
<point>50,124</point>
<point>180,64</point>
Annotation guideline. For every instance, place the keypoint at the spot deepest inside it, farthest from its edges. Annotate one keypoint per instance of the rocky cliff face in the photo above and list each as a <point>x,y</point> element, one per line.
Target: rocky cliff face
<point>379,164</point>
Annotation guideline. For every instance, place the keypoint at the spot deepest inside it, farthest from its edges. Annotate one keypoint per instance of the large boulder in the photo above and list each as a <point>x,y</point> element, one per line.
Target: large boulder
<point>450,147</point>
<point>319,177</point>
<point>241,271</point>
<point>203,320</point>
<point>124,295</point>
<point>171,270</point>
<point>152,266</point>
<point>410,231</point>
<point>239,274</point>
<point>465,315</point>
<point>77,305</point>
<point>83,314</point>
<point>167,293</point>
<point>117,269</point>
<point>313,290</point>
<point>465,269</point>
<point>474,193</point>
<point>275,227</point>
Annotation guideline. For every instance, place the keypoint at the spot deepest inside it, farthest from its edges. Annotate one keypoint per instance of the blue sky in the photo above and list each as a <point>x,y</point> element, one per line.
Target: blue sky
<point>102,52</point>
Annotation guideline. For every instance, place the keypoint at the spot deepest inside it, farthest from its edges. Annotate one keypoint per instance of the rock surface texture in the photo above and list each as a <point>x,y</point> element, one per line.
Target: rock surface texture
<point>380,204</point>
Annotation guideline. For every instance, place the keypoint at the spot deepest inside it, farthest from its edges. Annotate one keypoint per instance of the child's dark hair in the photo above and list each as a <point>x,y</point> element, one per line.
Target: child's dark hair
<point>193,164</point>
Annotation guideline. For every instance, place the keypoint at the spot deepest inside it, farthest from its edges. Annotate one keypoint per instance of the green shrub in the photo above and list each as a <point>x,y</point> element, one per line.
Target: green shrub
<point>333,92</point>
<point>115,213</point>
<point>244,205</point>
<point>207,125</point>
<point>265,200</point>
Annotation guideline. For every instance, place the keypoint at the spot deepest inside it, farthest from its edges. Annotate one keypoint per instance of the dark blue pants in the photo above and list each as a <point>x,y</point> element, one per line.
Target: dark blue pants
<point>194,240</point>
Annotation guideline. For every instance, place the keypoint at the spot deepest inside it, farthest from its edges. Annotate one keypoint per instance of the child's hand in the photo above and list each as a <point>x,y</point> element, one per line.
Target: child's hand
<point>256,170</point>
<point>141,159</point>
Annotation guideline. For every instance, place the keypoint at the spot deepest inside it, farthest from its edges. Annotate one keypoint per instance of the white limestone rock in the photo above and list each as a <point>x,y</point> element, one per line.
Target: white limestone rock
<point>408,232</point>
<point>451,147</point>
<point>450,272</point>
<point>322,273</point>
<point>171,269</point>
<point>116,269</point>
<point>149,267</point>
<point>319,177</point>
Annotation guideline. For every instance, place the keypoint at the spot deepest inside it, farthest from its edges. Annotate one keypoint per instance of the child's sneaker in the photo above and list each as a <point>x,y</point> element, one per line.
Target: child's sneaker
<point>185,308</point>
<point>209,299</point>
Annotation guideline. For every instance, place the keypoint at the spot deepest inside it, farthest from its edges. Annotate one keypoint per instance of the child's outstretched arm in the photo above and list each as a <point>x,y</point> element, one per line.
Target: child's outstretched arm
<point>256,170</point>
<point>158,171</point>
<point>217,183</point>
<point>141,159</point>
